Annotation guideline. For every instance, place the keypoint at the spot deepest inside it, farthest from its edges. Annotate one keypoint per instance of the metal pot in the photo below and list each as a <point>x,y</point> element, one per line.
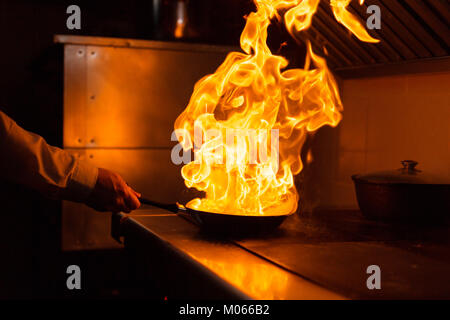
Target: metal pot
<point>403,195</point>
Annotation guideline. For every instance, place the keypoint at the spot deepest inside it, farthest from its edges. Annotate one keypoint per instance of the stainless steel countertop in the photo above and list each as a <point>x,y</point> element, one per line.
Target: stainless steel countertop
<point>323,256</point>
<point>233,268</point>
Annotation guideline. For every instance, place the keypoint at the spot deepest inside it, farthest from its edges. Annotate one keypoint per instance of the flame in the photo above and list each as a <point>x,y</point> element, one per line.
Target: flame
<point>309,157</point>
<point>255,97</point>
<point>349,20</point>
<point>181,20</point>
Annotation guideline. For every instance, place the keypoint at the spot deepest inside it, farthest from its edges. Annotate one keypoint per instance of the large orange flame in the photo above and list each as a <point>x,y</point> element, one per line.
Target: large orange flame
<point>349,20</point>
<point>250,96</point>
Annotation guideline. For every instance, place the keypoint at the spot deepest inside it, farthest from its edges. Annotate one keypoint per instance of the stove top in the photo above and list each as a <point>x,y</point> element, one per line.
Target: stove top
<point>321,256</point>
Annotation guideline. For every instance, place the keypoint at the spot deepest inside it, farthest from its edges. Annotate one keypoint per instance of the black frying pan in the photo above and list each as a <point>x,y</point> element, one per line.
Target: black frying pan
<point>223,223</point>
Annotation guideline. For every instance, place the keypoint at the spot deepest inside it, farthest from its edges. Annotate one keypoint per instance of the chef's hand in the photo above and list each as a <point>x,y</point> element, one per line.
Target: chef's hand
<point>111,193</point>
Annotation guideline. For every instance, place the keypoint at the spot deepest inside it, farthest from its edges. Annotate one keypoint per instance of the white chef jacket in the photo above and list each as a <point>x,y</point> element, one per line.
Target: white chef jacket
<point>26,158</point>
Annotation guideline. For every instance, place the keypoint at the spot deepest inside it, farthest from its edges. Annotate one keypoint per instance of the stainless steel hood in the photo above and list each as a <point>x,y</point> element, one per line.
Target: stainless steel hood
<point>413,33</point>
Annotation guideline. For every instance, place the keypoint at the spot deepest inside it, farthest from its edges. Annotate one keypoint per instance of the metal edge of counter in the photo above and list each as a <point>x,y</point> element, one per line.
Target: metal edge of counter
<point>141,44</point>
<point>121,223</point>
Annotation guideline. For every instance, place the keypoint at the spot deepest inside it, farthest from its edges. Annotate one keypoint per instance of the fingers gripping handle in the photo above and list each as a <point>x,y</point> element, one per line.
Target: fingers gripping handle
<point>172,207</point>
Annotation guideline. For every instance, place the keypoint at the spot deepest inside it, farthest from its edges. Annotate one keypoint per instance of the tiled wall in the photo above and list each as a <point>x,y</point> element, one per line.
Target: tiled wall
<point>386,120</point>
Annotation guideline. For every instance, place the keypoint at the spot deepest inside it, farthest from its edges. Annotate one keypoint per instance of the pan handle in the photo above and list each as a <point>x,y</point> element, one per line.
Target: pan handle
<point>172,207</point>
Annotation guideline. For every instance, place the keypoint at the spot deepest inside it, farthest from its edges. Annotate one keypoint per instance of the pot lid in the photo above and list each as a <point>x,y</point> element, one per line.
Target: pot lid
<point>407,175</point>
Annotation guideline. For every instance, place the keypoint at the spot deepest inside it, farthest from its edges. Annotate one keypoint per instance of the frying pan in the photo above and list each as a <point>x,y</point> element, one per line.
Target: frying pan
<point>222,223</point>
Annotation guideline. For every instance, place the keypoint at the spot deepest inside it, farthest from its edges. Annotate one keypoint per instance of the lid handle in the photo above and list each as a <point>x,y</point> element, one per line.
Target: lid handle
<point>410,165</point>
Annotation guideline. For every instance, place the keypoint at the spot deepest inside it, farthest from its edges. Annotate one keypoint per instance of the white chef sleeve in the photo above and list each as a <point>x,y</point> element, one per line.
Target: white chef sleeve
<point>26,158</point>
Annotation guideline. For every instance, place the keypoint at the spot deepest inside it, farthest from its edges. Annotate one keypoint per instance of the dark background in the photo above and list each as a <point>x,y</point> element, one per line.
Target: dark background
<point>31,84</point>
